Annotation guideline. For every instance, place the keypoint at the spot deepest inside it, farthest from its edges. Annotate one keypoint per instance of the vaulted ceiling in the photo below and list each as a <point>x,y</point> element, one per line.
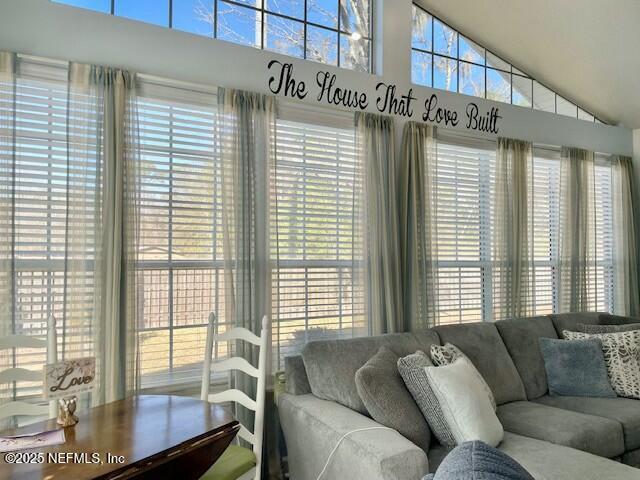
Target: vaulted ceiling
<point>586,50</point>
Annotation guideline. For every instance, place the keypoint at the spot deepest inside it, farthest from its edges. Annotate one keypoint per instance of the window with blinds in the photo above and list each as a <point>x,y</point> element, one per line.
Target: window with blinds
<point>465,186</point>
<point>180,254</point>
<point>36,189</point>
<point>315,234</point>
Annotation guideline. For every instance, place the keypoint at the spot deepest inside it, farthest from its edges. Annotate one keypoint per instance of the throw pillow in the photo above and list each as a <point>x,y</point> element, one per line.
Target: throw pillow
<point>588,328</point>
<point>464,402</point>
<point>411,369</point>
<point>622,357</point>
<point>477,460</point>
<point>575,367</point>
<point>447,354</point>
<point>387,399</point>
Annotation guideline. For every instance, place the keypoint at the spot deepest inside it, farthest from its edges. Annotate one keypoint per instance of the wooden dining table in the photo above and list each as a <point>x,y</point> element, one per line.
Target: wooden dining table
<point>142,437</point>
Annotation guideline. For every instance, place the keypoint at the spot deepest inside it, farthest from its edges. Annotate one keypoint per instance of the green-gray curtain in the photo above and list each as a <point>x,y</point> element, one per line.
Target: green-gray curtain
<point>102,217</point>
<point>512,251</point>
<point>418,225</point>
<point>7,169</point>
<point>246,127</point>
<point>627,290</point>
<point>375,145</point>
<point>577,244</point>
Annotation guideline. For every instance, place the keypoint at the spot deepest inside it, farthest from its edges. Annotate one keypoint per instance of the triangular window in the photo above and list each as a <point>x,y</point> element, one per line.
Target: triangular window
<point>441,57</point>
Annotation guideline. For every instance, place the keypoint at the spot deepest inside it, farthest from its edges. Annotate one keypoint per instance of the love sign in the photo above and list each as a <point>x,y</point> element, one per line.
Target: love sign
<point>69,377</point>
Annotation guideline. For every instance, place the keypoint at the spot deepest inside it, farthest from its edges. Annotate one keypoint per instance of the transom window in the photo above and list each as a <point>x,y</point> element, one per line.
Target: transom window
<point>443,58</point>
<point>335,32</point>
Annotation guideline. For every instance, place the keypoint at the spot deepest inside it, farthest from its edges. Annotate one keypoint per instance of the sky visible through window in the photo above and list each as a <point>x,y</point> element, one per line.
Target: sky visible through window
<point>334,32</point>
<point>443,58</point>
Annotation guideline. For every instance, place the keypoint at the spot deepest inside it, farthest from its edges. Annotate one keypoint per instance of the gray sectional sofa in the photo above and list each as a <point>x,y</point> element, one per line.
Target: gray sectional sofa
<point>552,437</point>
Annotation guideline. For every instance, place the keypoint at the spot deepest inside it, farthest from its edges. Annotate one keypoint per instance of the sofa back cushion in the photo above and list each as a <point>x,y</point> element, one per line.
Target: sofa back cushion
<point>481,342</point>
<point>296,381</point>
<point>570,321</point>
<point>331,365</point>
<point>521,337</point>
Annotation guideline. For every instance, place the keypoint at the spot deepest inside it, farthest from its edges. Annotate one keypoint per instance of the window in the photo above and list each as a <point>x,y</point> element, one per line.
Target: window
<point>180,257</point>
<point>315,231</point>
<point>443,58</point>
<point>464,216</point>
<point>335,32</point>
<point>37,192</point>
<point>315,254</point>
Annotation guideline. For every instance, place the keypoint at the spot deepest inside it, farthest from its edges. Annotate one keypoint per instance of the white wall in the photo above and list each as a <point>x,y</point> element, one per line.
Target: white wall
<point>42,28</point>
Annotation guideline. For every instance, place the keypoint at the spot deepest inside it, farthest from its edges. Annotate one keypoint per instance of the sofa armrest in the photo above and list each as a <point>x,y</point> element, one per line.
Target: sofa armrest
<point>313,427</point>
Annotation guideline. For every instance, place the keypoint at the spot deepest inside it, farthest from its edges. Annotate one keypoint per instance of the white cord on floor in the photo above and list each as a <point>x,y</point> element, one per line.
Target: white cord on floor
<point>340,441</point>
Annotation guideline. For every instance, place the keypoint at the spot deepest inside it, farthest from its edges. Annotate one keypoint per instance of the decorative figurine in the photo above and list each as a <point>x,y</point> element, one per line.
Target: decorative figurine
<point>66,410</point>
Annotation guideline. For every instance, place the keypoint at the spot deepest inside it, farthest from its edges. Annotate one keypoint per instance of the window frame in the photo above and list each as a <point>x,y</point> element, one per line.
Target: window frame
<point>513,71</point>
<point>263,11</point>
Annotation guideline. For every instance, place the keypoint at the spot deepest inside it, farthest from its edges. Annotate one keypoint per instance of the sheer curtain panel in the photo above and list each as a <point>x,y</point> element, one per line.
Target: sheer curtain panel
<point>627,291</point>
<point>7,168</point>
<point>512,230</point>
<point>375,144</point>
<point>418,225</point>
<point>246,127</point>
<point>577,259</point>
<point>101,218</point>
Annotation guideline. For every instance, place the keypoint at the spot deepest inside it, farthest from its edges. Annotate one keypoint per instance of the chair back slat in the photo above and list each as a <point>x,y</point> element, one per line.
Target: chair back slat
<point>11,409</point>
<point>19,374</point>
<point>235,363</point>
<point>233,395</point>
<point>241,364</point>
<point>237,333</point>
<point>246,435</point>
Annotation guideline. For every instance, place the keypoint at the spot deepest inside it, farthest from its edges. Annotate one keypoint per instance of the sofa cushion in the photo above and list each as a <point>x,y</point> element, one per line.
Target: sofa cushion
<point>545,461</point>
<point>607,328</point>
<point>520,336</point>
<point>623,410</point>
<point>576,368</point>
<point>481,342</point>
<point>589,433</point>
<point>331,365</point>
<point>632,458</point>
<point>610,319</point>
<point>296,379</point>
<point>387,399</point>
<point>570,321</point>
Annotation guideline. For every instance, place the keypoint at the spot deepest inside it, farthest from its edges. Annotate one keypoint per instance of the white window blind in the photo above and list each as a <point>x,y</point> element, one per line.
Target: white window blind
<point>544,193</point>
<point>315,234</point>
<point>464,215</point>
<point>602,285</point>
<point>39,193</point>
<point>180,256</point>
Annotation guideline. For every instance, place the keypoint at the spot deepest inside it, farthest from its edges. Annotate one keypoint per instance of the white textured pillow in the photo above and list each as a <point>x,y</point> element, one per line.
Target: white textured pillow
<point>464,402</point>
<point>449,353</point>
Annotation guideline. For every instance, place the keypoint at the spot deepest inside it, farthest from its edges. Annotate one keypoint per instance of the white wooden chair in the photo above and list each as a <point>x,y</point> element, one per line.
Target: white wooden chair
<point>18,374</point>
<point>237,462</point>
